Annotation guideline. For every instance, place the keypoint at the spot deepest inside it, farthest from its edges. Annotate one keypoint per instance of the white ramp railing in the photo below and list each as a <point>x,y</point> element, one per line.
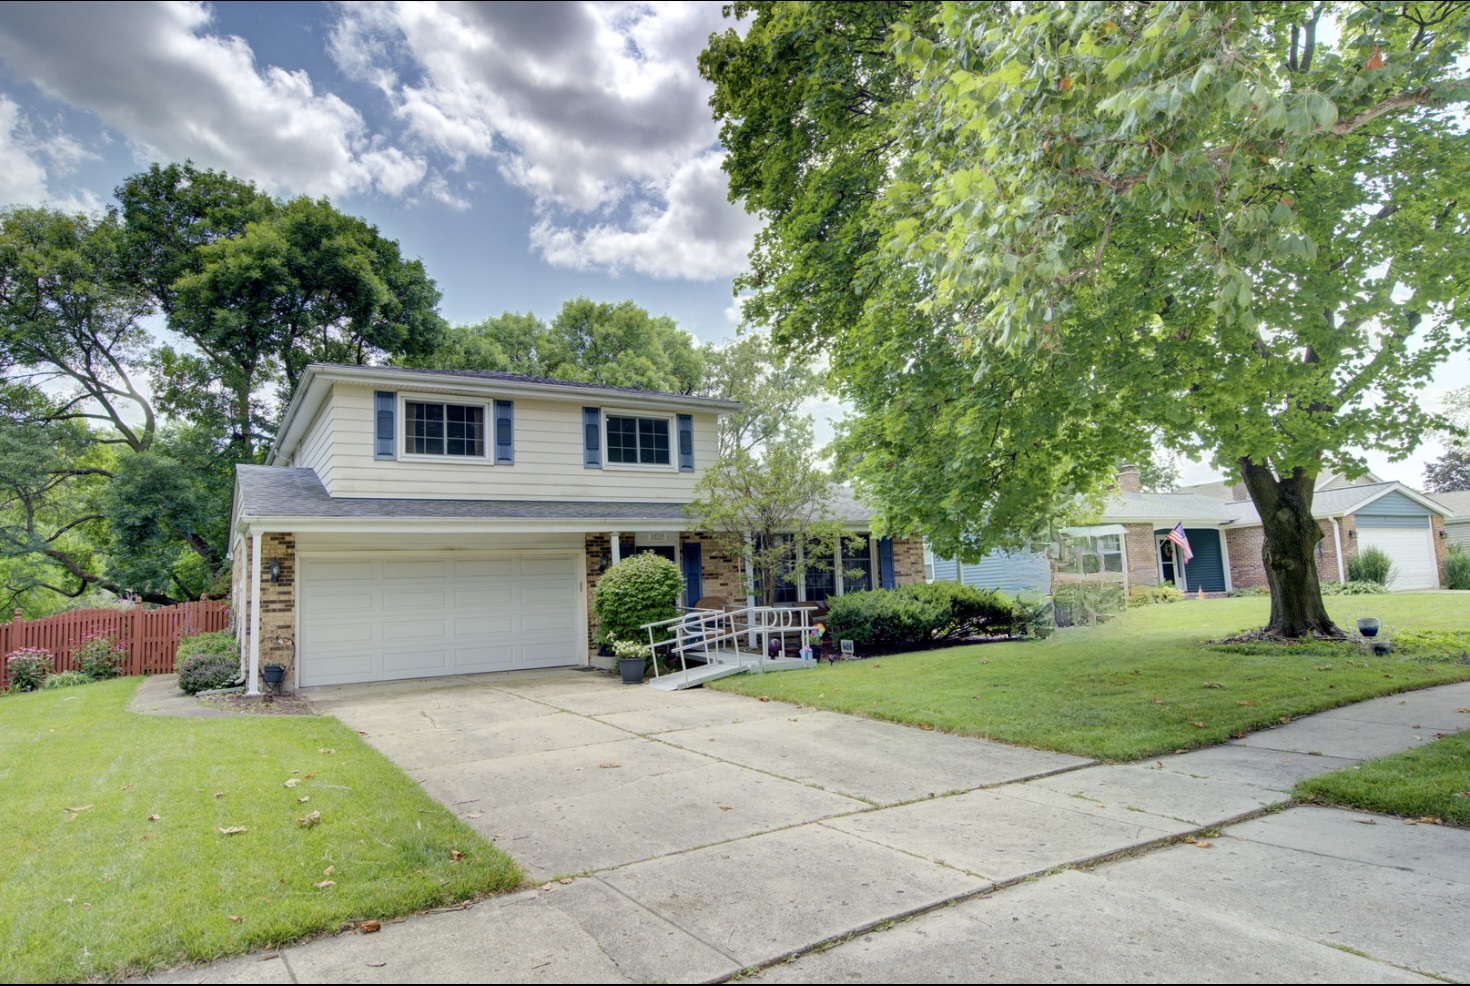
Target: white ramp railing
<point>714,636</point>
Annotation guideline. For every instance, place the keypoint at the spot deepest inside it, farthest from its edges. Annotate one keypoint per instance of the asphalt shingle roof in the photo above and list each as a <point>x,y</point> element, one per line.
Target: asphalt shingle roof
<point>277,491</point>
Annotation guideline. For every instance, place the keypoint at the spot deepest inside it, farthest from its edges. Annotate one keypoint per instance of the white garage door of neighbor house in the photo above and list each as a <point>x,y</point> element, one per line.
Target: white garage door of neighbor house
<point>379,619</point>
<point>1412,553</point>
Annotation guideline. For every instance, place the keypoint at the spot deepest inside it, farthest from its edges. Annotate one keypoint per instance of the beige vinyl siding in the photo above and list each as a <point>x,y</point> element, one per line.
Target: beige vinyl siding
<point>548,457</point>
<point>317,446</point>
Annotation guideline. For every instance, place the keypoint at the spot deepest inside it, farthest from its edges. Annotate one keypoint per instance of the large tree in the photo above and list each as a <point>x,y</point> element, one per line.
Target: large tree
<point>1239,224</point>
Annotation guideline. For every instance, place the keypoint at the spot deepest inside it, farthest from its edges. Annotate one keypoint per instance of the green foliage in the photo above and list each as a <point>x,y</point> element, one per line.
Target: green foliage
<point>1434,645</point>
<point>66,679</point>
<point>99,656</point>
<point>1353,588</point>
<point>1027,235</point>
<point>642,589</point>
<point>919,615</point>
<point>616,345</point>
<point>1257,590</point>
<point>27,668</point>
<point>1425,782</point>
<point>1086,603</point>
<point>1148,595</point>
<point>770,386</point>
<point>203,672</point>
<point>1370,565</point>
<point>1457,568</point>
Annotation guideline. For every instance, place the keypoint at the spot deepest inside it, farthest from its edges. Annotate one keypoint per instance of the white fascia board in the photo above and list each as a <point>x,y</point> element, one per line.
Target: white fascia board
<point>1412,494</point>
<point>1096,531</point>
<point>457,525</point>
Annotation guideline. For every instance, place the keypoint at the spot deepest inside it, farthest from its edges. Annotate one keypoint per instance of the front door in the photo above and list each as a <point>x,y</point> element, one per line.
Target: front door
<point>1170,573</point>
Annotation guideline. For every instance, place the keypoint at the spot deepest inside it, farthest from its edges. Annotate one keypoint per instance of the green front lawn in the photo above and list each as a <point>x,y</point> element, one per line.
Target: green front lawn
<point>111,855</point>
<point>1141,685</point>
<point>1431,781</point>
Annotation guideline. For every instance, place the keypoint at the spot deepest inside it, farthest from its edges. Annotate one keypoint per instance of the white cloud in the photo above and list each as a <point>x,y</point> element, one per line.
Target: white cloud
<point>688,230</point>
<point>31,163</point>
<point>155,74</point>
<point>596,110</point>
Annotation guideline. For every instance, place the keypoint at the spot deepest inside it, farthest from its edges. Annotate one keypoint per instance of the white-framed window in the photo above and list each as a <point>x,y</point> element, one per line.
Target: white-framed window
<point>638,440</point>
<point>1092,554</point>
<point>444,429</point>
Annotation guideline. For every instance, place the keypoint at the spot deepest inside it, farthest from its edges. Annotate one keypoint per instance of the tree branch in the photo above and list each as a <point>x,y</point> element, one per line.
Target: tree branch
<point>1405,100</point>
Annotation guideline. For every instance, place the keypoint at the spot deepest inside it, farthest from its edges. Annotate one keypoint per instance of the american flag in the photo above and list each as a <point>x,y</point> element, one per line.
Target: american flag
<point>1177,536</point>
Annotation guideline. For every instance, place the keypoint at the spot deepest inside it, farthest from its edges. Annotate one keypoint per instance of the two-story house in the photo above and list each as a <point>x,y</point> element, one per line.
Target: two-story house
<point>412,523</point>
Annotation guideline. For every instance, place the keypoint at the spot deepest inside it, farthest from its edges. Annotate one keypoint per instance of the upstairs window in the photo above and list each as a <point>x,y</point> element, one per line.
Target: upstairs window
<point>444,429</point>
<point>637,441</point>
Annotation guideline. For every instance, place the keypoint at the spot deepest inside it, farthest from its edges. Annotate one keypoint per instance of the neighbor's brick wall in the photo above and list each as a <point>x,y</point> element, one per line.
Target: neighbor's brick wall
<point>1441,546</point>
<point>1139,545</point>
<point>1247,569</point>
<point>908,560</point>
<point>277,601</point>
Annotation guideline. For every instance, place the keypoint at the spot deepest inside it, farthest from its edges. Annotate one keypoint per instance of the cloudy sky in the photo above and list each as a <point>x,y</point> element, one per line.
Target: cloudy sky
<point>527,152</point>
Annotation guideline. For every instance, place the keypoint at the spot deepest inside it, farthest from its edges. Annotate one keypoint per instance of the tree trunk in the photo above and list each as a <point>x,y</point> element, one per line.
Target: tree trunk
<point>1288,551</point>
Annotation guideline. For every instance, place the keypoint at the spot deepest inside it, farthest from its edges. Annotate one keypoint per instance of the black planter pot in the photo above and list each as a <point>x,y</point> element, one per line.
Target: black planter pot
<point>632,669</point>
<point>274,673</point>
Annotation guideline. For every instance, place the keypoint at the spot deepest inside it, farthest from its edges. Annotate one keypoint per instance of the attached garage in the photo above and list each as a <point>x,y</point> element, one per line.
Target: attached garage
<point>1400,526</point>
<point>389,616</point>
<point>1412,551</point>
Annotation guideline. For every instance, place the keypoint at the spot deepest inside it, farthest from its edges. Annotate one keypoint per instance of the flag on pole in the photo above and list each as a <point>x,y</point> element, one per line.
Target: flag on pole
<point>1177,536</point>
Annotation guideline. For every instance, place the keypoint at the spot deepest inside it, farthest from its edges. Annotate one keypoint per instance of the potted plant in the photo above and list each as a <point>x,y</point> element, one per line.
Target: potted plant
<point>632,659</point>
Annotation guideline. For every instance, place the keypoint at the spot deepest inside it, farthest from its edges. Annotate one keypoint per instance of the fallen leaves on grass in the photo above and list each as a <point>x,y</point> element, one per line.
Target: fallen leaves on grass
<point>1198,725</point>
<point>236,918</point>
<point>456,855</point>
<point>1213,684</point>
<point>309,821</point>
<point>292,782</point>
<point>325,884</point>
<point>232,830</point>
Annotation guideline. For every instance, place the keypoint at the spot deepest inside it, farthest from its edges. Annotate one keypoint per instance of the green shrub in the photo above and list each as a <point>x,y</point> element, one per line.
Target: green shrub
<point>642,589</point>
<point>1255,590</point>
<point>217,642</point>
<point>1148,595</point>
<point>99,656</point>
<point>1457,568</point>
<point>919,615</point>
<point>1085,603</point>
<point>202,672</point>
<point>65,679</point>
<point>1370,565</point>
<point>1353,589</point>
<point>28,667</point>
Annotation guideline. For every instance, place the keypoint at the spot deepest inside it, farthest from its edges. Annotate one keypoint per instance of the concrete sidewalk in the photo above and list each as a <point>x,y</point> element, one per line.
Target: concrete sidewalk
<point>735,834</point>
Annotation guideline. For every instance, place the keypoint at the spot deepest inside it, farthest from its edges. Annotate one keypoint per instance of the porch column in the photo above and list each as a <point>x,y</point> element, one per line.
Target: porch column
<point>617,547</point>
<point>252,684</point>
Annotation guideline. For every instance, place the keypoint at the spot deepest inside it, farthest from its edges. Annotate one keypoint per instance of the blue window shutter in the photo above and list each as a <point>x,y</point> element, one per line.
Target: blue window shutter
<point>592,437</point>
<point>686,443</point>
<point>693,573</point>
<point>385,431</point>
<point>505,432</point>
<point>885,564</point>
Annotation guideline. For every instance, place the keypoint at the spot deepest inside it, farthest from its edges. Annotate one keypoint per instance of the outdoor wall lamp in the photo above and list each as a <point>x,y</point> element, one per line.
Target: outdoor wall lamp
<point>606,562</point>
<point>275,569</point>
<point>1441,534</point>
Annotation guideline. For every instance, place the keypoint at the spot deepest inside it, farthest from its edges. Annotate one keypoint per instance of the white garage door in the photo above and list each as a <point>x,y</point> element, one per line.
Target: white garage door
<point>1412,553</point>
<point>378,619</point>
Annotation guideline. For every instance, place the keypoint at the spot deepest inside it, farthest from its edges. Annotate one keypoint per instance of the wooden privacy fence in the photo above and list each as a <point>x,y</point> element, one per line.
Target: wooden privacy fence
<point>151,636</point>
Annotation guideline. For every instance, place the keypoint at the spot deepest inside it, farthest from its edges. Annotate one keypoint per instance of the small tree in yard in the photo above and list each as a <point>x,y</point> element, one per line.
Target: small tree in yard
<point>642,589</point>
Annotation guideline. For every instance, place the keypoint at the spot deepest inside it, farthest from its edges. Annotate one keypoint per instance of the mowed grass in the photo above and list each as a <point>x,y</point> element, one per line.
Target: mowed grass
<point>1432,781</point>
<point>1138,686</point>
<point>111,858</point>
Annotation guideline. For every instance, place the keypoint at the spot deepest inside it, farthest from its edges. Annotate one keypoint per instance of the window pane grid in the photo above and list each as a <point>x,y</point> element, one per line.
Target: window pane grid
<point>638,441</point>
<point>445,429</point>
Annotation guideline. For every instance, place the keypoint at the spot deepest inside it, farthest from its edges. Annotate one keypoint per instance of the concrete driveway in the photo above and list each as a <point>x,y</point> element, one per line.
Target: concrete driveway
<point>573,772</point>
<point>713,834</point>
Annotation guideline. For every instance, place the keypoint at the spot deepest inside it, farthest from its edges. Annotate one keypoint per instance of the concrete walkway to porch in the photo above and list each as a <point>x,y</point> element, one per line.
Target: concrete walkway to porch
<point>705,834</point>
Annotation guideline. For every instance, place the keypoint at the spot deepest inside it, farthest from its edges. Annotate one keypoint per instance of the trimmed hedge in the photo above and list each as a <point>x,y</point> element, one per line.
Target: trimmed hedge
<point>642,589</point>
<point>918,615</point>
<point>1148,595</point>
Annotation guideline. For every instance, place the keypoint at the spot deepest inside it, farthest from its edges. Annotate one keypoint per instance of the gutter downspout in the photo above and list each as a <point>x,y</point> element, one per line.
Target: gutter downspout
<point>252,680</point>
<point>1337,544</point>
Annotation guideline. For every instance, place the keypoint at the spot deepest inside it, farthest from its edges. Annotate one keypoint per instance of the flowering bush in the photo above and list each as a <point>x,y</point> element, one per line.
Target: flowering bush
<point>100,656</point>
<point>28,668</point>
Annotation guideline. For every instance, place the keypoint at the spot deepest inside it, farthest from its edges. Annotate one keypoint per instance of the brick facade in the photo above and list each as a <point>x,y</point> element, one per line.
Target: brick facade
<point>722,574</point>
<point>1441,547</point>
<point>1140,547</point>
<point>277,601</point>
<point>908,560</point>
<point>1248,568</point>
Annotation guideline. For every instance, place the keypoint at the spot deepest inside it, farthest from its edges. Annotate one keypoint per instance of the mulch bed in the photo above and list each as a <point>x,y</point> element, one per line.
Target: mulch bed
<point>271,705</point>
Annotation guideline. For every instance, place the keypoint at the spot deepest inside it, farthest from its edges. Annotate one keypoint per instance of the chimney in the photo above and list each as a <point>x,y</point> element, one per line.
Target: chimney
<point>1130,480</point>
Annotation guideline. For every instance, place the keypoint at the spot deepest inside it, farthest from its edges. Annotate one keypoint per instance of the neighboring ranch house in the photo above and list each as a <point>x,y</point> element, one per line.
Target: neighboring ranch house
<point>413,523</point>
<point>1129,543</point>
